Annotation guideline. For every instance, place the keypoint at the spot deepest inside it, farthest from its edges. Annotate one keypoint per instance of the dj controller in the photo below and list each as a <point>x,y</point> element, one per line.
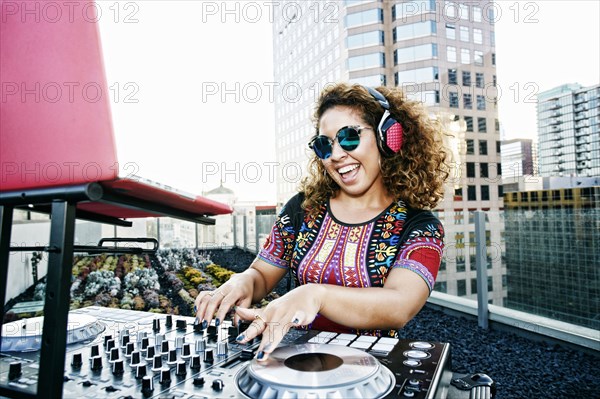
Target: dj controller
<point>114,353</point>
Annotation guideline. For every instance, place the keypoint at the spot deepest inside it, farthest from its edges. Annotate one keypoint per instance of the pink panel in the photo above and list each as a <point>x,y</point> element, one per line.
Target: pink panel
<point>55,123</point>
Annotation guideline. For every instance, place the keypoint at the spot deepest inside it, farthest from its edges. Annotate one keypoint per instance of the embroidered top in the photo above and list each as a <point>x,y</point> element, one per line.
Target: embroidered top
<point>329,251</point>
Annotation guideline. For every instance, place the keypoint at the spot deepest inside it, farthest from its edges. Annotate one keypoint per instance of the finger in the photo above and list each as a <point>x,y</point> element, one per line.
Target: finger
<point>201,305</point>
<point>255,328</point>
<point>228,299</point>
<point>211,308</point>
<point>244,303</point>
<point>271,339</point>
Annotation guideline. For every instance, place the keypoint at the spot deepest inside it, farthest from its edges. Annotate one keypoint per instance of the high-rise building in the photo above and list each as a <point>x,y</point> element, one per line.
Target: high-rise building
<point>440,53</point>
<point>517,158</point>
<point>553,254</point>
<point>569,131</point>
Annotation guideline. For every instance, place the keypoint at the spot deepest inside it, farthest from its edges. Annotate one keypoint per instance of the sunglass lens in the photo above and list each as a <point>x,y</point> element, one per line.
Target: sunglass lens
<point>349,138</point>
<point>322,147</point>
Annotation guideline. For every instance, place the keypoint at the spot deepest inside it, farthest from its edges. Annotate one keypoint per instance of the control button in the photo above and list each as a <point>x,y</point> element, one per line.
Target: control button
<point>129,349</point>
<point>140,371</point>
<point>217,384</point>
<point>179,342</point>
<point>222,348</point>
<point>180,370</point>
<point>144,344</point>
<point>164,347</point>
<point>421,345</point>
<point>135,358</point>
<point>157,363</point>
<point>198,381</point>
<point>109,345</point>
<point>186,351</point>
<point>94,351</point>
<point>195,362</point>
<point>172,359</point>
<point>198,327</point>
<point>181,324</point>
<point>408,394</point>
<point>147,384</point>
<point>124,341</point>
<point>14,370</point>
<point>211,331</point>
<point>247,354</point>
<point>117,367</point>
<point>141,335</point>
<point>96,363</point>
<point>169,321</point>
<point>208,356</point>
<point>200,345</point>
<point>156,325</point>
<point>412,363</point>
<point>165,376</point>
<point>414,381</point>
<point>150,352</point>
<point>77,360</point>
<point>114,355</point>
<point>415,354</point>
<point>110,388</point>
<point>107,338</point>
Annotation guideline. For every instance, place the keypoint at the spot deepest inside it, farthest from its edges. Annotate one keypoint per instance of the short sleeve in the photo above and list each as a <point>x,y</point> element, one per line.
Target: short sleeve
<point>422,251</point>
<point>279,245</point>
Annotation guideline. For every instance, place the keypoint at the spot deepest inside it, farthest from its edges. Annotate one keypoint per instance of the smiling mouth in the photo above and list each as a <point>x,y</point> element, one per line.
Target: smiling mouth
<point>346,169</point>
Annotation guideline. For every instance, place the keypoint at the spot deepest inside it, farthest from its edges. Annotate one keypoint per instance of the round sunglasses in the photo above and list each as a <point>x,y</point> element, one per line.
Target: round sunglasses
<point>347,137</point>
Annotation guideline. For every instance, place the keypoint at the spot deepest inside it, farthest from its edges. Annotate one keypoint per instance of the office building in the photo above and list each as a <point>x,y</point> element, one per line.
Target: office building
<point>553,237</point>
<point>440,53</point>
<point>569,131</point>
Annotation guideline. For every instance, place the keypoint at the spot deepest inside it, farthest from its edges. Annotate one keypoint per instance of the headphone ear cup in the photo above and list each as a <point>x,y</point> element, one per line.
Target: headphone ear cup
<point>394,137</point>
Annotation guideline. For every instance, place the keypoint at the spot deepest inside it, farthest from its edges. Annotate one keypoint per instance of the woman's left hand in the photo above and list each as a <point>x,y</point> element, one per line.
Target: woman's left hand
<point>298,307</point>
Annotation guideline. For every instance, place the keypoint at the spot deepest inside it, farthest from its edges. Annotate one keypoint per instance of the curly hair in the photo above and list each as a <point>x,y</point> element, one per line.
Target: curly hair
<point>415,174</point>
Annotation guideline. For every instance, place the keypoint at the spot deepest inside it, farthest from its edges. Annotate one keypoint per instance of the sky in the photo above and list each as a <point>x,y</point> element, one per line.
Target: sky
<point>191,83</point>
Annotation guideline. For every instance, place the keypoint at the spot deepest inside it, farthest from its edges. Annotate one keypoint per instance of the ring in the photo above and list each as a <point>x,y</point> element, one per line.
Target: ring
<point>258,317</point>
<point>221,292</point>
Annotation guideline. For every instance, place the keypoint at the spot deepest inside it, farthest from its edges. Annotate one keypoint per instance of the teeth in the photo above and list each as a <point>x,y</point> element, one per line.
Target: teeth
<point>347,169</point>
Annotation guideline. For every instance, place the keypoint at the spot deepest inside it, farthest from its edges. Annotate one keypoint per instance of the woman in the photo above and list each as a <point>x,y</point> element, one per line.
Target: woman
<point>366,254</point>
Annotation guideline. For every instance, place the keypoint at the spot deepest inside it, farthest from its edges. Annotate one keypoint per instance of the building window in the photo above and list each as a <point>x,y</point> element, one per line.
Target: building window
<point>412,31</point>
<point>478,57</point>
<point>466,78</point>
<point>471,196</point>
<point>568,194</point>
<point>485,193</point>
<point>440,286</point>
<point>483,147</point>
<point>470,147</point>
<point>470,169</point>
<point>451,54</point>
<point>469,123</point>
<point>479,80</point>
<point>373,38</point>
<point>497,125</point>
<point>490,283</point>
<point>372,16</point>
<point>450,31</point>
<point>493,58</point>
<point>498,147</point>
<point>465,56</point>
<point>534,196</point>
<point>371,80</point>
<point>477,14</point>
<point>464,33</point>
<point>481,125</point>
<point>415,53</point>
<point>477,36</point>
<point>461,287</point>
<point>483,170</point>
<point>453,100</point>
<point>452,76</point>
<point>473,281</point>
<point>480,102</point>
<point>460,260</point>
<point>467,101</point>
<point>493,38</point>
<point>410,8</point>
<point>366,61</point>
<point>555,195</point>
<point>421,75</point>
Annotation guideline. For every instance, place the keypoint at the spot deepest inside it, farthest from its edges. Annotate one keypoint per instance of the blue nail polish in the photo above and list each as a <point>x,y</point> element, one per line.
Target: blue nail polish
<point>217,322</point>
<point>195,309</point>
<point>260,355</point>
<point>296,321</point>
<point>240,337</point>
<point>204,324</point>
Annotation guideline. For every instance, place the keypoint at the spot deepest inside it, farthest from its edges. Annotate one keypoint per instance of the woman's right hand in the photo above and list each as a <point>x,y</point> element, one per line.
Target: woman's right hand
<point>237,291</point>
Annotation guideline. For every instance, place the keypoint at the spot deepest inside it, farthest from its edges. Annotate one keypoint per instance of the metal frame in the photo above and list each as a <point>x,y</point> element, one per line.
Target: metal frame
<point>61,203</point>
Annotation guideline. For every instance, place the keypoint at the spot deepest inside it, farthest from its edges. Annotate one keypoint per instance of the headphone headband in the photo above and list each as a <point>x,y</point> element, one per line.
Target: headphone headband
<point>390,131</point>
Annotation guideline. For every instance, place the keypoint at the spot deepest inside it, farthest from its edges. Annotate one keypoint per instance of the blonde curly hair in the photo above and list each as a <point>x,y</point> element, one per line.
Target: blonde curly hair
<point>415,174</point>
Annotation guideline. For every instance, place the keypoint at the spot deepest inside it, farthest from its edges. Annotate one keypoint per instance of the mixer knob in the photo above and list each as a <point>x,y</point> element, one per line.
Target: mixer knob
<point>135,358</point>
<point>408,394</point>
<point>414,382</point>
<point>199,381</point>
<point>198,327</point>
<point>169,321</point>
<point>158,340</point>
<point>195,362</point>
<point>157,363</point>
<point>96,363</point>
<point>172,359</point>
<point>76,361</point>
<point>165,376</point>
<point>124,341</point>
<point>109,345</point>
<point>140,371</point>
<point>141,335</point>
<point>117,367</point>
<point>144,344</point>
<point>212,331</point>
<point>94,351</point>
<point>222,348</point>
<point>147,384</point>
<point>123,333</point>
<point>129,349</point>
<point>186,351</point>
<point>114,355</point>
<point>180,368</point>
<point>150,352</point>
<point>179,342</point>
<point>156,325</point>
<point>247,354</point>
<point>14,370</point>
<point>107,338</point>
<point>208,356</point>
<point>181,324</point>
<point>164,347</point>
<point>200,345</point>
<point>217,384</point>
